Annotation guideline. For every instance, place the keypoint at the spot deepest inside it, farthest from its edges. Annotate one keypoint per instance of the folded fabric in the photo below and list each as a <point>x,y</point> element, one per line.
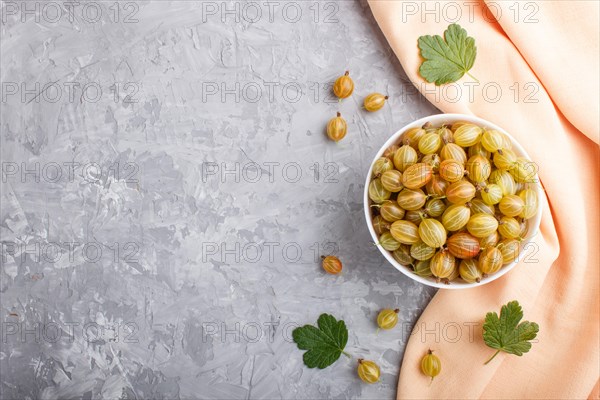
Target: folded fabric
<point>538,70</point>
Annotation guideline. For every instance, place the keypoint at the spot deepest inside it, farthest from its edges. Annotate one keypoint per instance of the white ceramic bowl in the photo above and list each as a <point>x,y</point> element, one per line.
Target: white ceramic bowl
<point>448,119</point>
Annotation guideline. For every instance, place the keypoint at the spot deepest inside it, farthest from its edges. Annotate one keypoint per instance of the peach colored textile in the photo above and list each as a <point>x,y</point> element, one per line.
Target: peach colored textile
<point>554,114</point>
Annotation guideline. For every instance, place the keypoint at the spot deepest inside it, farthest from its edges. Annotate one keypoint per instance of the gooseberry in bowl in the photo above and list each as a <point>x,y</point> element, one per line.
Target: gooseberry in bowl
<point>459,202</point>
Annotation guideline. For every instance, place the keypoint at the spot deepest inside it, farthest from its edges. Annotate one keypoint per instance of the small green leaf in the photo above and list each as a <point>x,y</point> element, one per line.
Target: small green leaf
<point>325,344</point>
<point>447,59</point>
<point>505,333</point>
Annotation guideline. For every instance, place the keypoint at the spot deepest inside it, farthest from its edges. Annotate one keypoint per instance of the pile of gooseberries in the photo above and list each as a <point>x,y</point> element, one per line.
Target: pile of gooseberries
<point>343,88</point>
<point>452,202</point>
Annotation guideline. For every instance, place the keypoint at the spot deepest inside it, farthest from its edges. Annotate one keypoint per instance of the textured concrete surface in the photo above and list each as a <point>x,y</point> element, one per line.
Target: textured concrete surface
<point>167,190</point>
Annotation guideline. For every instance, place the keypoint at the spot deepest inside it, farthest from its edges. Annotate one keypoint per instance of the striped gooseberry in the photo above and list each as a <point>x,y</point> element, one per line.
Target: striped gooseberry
<point>405,232</point>
<point>446,135</point>
<point>467,135</point>
<point>442,264</point>
<point>391,211</point>
<point>432,232</point>
<point>490,260</point>
<point>479,168</point>
<point>437,186</point>
<point>411,199</point>
<point>380,224</point>
<point>377,192</point>
<point>505,159</point>
<point>388,242</point>
<point>404,157</point>
<point>412,136</point>
<point>492,140</point>
<point>430,143</point>
<point>509,228</point>
<point>505,180</point>
<point>491,194</point>
<point>402,255</point>
<point>374,102</point>
<point>469,271</point>
<point>478,150</point>
<point>417,175</point>
<point>524,171</point>
<point>337,128</point>
<point>421,251</point>
<point>511,205</point>
<point>368,371</point>
<point>451,170</point>
<point>463,245</point>
<point>460,192</point>
<point>331,264</point>
<point>479,206</point>
<point>421,268</point>
<point>481,225</point>
<point>387,318</point>
<point>381,165</point>
<point>392,180</point>
<point>432,159</point>
<point>435,207</point>
<point>490,240</point>
<point>390,151</point>
<point>456,217</point>
<point>452,151</point>
<point>509,249</point>
<point>415,216</point>
<point>530,203</point>
<point>343,86</point>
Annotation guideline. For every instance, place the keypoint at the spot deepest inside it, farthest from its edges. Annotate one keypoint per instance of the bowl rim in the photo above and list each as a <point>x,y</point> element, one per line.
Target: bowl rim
<point>437,120</point>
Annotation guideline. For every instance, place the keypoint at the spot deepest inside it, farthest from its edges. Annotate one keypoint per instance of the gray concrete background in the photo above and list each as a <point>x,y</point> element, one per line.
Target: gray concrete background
<point>167,189</point>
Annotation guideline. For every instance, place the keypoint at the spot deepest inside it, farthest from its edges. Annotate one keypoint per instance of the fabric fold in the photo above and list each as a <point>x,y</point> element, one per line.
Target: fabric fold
<point>538,76</point>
